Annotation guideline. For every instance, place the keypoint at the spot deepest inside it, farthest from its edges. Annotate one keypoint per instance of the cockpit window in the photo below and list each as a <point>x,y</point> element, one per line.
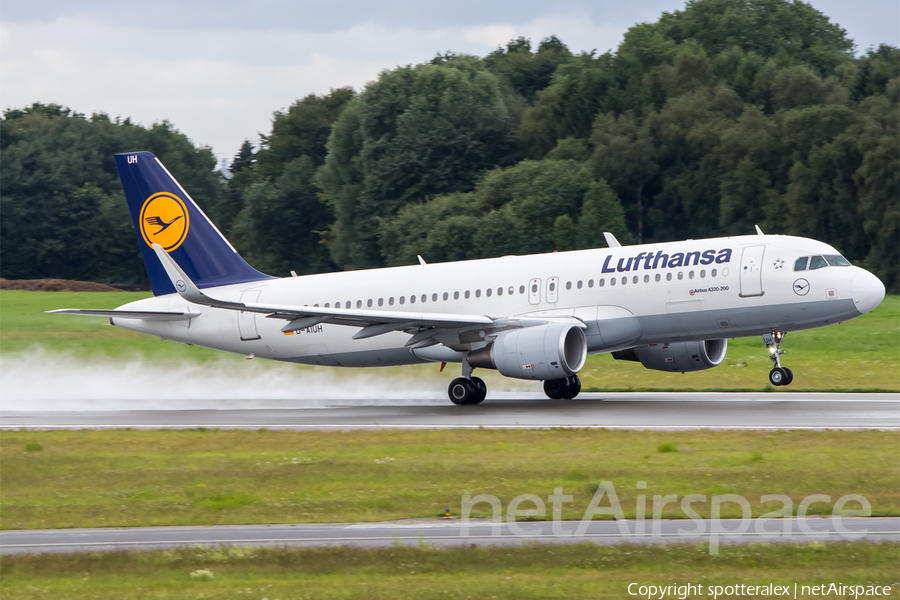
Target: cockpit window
<point>836,260</point>
<point>817,262</point>
<point>800,265</point>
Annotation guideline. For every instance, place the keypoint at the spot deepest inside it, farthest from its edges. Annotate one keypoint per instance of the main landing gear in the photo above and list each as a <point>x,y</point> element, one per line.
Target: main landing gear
<point>567,388</point>
<point>463,390</point>
<point>778,375</point>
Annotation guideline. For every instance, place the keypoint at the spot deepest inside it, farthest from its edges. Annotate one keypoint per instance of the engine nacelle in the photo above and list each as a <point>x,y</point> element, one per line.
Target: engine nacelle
<point>679,357</point>
<point>551,351</point>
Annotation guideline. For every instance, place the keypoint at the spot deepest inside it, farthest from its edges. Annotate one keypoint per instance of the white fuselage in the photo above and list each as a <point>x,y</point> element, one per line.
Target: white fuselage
<point>750,290</point>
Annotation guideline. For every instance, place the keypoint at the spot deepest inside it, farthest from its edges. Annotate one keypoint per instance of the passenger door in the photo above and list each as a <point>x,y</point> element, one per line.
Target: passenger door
<point>247,320</point>
<point>751,271</point>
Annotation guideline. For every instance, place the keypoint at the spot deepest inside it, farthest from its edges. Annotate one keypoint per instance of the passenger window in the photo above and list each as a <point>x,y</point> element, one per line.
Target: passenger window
<point>391,301</point>
<point>381,302</point>
<point>836,260</point>
<point>817,262</point>
<point>612,281</point>
<point>568,285</point>
<point>521,289</point>
<point>590,283</point>
<point>425,297</point>
<point>467,294</point>
<point>552,286</point>
<point>714,272</point>
<point>680,275</point>
<point>456,295</point>
<point>348,304</point>
<point>489,291</point>
<point>328,305</point>
<point>702,273</point>
<point>657,278</point>
<point>412,299</point>
<point>434,297</point>
<point>580,284</point>
<point>369,303</point>
<point>534,289</point>
<point>668,277</point>
<point>691,275</point>
<point>499,291</point>
<point>624,280</point>
<point>402,299</point>
<point>634,279</point>
<point>446,296</point>
<point>478,293</point>
<point>359,304</point>
<point>646,279</point>
<point>800,265</point>
<point>601,282</point>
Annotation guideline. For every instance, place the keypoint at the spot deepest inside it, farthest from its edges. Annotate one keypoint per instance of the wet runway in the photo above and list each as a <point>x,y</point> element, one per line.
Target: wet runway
<point>658,410</point>
<point>456,532</point>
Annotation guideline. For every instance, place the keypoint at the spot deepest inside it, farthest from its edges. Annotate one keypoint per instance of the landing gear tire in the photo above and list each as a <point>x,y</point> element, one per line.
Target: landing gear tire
<point>481,391</point>
<point>779,376</point>
<point>574,387</point>
<point>567,387</point>
<point>790,376</point>
<point>464,391</point>
<point>461,391</point>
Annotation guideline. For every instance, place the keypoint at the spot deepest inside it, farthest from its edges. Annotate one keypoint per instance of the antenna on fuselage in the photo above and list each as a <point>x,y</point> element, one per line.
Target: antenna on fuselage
<point>758,230</point>
<point>421,260</point>
<point>611,240</point>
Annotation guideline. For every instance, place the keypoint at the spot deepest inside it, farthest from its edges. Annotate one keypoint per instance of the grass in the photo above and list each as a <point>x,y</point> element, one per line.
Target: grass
<point>860,355</point>
<point>532,571</point>
<point>205,477</point>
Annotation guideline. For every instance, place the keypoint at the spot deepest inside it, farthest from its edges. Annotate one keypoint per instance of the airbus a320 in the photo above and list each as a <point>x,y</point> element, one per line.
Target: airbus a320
<point>670,306</point>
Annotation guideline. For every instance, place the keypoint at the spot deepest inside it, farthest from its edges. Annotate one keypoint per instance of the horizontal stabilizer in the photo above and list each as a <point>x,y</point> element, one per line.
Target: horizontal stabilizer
<point>147,315</point>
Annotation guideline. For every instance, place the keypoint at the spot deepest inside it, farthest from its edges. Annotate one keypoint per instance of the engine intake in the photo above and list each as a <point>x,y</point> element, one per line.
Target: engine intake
<point>551,351</point>
<point>679,357</point>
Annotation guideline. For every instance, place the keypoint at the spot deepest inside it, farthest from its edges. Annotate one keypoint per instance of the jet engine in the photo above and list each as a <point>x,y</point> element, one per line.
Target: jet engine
<point>679,357</point>
<point>551,351</point>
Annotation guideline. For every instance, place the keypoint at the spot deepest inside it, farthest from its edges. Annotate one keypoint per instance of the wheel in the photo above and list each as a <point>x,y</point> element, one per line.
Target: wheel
<point>480,391</point>
<point>777,376</point>
<point>790,376</point>
<point>574,387</point>
<point>557,388</point>
<point>461,391</point>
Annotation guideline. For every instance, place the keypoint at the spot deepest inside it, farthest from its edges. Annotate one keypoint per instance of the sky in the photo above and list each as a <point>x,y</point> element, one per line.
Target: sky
<point>219,69</point>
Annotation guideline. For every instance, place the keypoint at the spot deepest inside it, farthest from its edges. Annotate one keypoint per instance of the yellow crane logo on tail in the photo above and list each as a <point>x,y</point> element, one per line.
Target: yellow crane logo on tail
<point>164,220</point>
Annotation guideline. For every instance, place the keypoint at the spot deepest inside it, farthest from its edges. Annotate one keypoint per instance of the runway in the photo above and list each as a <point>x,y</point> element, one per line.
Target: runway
<point>455,533</point>
<point>658,410</point>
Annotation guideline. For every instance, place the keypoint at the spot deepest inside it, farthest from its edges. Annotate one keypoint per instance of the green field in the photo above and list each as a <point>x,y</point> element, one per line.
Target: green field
<point>861,354</point>
<point>535,571</point>
<point>52,479</point>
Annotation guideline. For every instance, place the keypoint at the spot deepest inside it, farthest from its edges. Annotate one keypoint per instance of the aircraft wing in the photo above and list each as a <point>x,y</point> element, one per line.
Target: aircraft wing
<point>372,322</point>
<point>148,315</point>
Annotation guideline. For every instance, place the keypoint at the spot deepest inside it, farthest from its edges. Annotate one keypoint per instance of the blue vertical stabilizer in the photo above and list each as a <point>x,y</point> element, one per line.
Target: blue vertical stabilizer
<point>163,213</point>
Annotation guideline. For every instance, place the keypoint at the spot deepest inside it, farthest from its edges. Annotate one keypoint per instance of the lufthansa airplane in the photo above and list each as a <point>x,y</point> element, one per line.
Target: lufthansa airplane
<point>669,306</point>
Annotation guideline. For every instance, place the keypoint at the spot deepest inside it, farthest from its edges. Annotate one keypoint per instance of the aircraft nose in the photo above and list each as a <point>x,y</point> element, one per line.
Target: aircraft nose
<point>867,290</point>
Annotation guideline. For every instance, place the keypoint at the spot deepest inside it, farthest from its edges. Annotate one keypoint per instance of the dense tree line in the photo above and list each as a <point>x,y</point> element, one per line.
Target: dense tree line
<point>726,114</point>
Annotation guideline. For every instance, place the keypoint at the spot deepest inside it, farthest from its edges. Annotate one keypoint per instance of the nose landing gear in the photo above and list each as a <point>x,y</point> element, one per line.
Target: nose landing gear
<point>778,375</point>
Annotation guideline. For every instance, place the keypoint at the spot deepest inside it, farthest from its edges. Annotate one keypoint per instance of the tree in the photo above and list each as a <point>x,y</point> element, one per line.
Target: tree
<point>416,132</point>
